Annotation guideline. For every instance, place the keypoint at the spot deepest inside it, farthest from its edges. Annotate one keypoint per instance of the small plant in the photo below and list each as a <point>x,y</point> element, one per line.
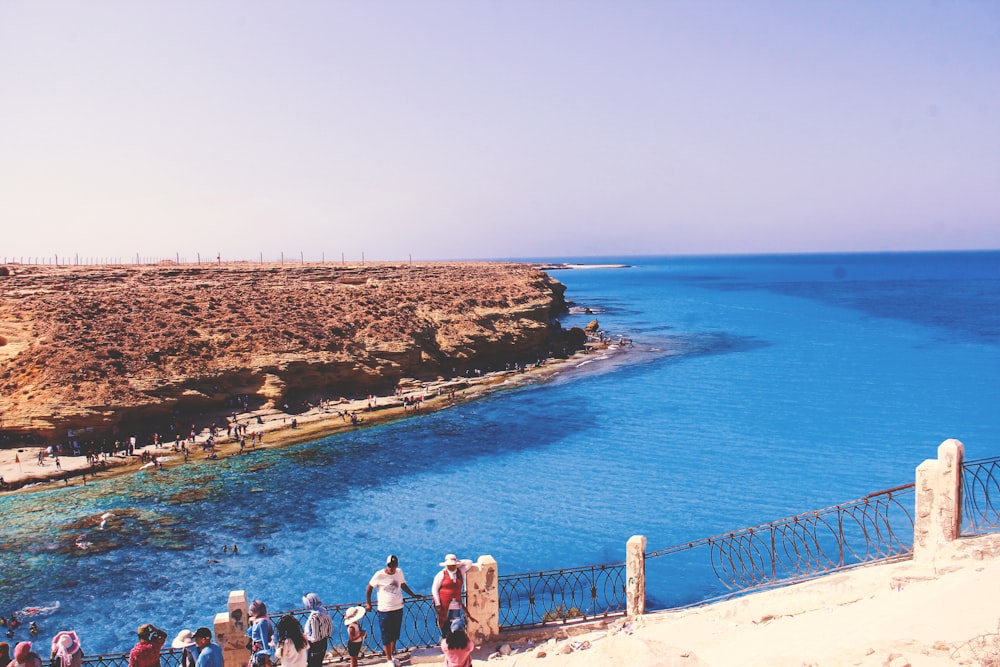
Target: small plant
<point>562,613</point>
<point>984,649</point>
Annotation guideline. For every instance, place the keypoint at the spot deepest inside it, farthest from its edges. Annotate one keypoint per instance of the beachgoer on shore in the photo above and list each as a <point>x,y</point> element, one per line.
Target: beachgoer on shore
<point>291,647</point>
<point>319,628</point>
<point>146,652</point>
<point>390,584</point>
<point>4,653</point>
<point>355,635</point>
<point>446,590</point>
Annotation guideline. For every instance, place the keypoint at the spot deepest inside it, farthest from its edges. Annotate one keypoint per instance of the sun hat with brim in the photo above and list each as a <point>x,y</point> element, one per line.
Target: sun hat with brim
<point>66,641</point>
<point>21,651</point>
<point>450,559</point>
<point>184,639</point>
<point>353,615</point>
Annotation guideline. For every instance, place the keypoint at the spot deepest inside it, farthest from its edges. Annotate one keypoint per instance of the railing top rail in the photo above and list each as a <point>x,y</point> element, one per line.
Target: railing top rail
<point>563,570</point>
<point>990,459</point>
<point>865,500</point>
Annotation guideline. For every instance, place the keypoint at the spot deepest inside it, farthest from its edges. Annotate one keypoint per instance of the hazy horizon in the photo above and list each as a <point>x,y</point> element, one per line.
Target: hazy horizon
<point>444,130</point>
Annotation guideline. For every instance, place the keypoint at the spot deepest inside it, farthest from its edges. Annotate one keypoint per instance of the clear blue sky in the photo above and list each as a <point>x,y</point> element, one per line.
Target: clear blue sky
<point>497,128</point>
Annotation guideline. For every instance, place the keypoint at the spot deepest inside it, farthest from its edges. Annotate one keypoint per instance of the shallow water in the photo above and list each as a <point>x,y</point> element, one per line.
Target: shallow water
<point>759,387</point>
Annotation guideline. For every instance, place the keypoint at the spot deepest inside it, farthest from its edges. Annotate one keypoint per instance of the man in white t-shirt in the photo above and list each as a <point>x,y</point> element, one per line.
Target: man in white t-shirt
<point>390,584</point>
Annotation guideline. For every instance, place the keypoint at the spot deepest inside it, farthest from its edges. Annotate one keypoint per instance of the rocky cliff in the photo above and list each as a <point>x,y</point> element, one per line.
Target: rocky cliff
<point>107,347</point>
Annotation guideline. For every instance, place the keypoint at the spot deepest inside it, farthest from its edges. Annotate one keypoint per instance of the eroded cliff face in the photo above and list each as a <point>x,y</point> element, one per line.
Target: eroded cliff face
<point>100,347</point>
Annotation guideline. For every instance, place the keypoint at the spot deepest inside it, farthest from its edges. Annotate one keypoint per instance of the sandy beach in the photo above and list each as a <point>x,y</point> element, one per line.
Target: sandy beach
<point>21,469</point>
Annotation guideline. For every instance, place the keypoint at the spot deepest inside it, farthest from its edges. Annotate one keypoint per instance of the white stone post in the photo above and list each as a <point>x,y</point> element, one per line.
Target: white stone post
<point>231,631</point>
<point>635,574</point>
<point>938,511</point>
<point>482,598</point>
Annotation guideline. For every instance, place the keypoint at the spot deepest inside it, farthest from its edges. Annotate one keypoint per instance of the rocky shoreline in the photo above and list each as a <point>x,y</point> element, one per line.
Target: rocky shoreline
<point>21,468</point>
<point>109,352</point>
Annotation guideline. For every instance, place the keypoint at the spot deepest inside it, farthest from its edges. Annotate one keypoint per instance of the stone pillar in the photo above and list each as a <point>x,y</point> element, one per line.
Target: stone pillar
<point>635,576</point>
<point>482,591</point>
<point>938,511</point>
<point>231,631</point>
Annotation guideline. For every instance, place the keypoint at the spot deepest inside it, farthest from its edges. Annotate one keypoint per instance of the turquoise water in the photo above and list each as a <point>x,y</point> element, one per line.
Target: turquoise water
<point>759,387</point>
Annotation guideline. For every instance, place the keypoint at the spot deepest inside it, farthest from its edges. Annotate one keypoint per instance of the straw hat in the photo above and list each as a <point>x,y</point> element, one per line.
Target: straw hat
<point>353,615</point>
<point>451,559</point>
<point>184,639</point>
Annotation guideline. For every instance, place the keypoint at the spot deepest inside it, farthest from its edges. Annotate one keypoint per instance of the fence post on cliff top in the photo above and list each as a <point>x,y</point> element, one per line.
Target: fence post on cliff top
<point>938,511</point>
<point>231,631</point>
<point>482,597</point>
<point>635,576</point>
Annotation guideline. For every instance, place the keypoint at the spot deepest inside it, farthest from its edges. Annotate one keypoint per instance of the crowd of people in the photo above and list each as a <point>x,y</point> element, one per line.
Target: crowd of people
<point>288,643</point>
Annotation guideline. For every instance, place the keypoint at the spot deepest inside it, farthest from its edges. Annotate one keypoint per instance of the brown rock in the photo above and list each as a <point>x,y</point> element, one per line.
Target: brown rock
<point>132,347</point>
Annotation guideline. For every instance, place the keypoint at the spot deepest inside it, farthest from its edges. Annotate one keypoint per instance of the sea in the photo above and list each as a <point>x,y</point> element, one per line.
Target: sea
<point>755,388</point>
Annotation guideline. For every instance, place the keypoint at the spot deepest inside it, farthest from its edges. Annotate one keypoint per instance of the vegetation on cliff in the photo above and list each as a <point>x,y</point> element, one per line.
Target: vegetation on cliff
<point>102,347</point>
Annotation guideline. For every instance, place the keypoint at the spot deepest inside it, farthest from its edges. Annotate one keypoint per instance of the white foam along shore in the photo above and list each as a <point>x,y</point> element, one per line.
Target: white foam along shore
<point>22,469</point>
<point>559,266</point>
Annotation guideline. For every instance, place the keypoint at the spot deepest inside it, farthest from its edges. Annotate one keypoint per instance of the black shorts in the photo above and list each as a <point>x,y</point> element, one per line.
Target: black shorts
<point>389,624</point>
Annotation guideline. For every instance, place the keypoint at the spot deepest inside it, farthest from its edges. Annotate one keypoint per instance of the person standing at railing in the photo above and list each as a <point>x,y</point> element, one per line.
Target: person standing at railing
<point>319,627</point>
<point>146,652</point>
<point>209,653</point>
<point>447,591</point>
<point>355,635</point>
<point>261,630</point>
<point>25,657</point>
<point>66,651</point>
<point>291,648</point>
<point>390,584</point>
<point>186,643</point>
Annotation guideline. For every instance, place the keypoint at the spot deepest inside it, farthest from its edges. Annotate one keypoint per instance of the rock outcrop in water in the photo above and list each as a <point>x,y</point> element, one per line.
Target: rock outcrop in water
<point>112,347</point>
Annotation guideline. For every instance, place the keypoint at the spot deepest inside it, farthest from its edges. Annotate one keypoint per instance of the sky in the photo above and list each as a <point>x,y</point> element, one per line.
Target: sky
<point>430,130</point>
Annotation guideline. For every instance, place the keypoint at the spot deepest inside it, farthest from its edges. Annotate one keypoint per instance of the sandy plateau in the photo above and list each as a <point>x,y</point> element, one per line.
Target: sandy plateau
<point>121,350</point>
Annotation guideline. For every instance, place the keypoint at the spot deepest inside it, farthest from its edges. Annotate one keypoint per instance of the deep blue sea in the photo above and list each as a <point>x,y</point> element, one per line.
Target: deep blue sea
<point>759,387</point>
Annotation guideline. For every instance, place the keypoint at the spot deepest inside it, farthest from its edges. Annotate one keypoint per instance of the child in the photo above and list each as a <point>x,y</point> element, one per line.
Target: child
<point>456,646</point>
<point>355,635</point>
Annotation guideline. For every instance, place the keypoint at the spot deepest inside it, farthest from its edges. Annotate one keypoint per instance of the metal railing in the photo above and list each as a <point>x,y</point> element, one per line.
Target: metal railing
<point>878,527</point>
<point>169,657</point>
<point>561,596</point>
<point>419,628</point>
<point>980,496</point>
<point>875,528</point>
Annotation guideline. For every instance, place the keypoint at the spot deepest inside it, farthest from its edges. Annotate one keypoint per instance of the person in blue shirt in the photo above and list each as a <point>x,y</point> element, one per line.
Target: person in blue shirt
<point>209,653</point>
